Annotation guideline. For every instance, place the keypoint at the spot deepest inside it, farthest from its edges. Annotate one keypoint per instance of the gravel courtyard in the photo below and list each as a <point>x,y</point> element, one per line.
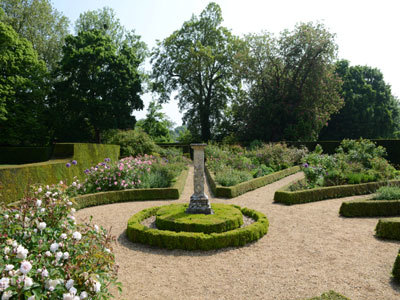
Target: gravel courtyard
<point>309,249</point>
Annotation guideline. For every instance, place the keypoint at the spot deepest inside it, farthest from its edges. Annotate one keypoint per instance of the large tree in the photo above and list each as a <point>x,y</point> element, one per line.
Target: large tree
<point>23,89</point>
<point>39,23</point>
<point>196,62</point>
<point>289,89</point>
<point>98,86</point>
<point>370,110</point>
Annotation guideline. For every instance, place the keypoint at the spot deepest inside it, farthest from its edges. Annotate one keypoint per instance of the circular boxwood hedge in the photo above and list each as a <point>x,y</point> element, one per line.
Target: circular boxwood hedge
<point>139,233</point>
<point>173,217</point>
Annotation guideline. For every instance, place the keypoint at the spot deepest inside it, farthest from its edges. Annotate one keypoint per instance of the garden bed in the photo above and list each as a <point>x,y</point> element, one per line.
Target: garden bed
<point>241,188</point>
<point>317,194</point>
<point>109,197</point>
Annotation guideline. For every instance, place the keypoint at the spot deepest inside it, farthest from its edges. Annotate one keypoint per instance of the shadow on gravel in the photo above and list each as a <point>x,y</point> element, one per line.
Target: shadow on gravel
<point>394,284</point>
<point>123,240</point>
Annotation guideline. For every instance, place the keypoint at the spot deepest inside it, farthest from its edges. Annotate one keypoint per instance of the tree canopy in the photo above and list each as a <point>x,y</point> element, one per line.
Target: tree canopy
<point>370,110</point>
<point>23,91</point>
<point>39,23</point>
<point>290,89</point>
<point>98,86</point>
<point>196,61</point>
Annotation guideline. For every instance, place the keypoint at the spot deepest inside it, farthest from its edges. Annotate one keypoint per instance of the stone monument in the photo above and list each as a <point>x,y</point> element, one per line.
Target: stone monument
<point>199,203</point>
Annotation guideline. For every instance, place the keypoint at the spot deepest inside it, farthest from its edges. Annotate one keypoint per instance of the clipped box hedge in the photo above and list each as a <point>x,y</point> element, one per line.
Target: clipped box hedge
<point>370,208</point>
<point>388,228</point>
<point>396,268</point>
<point>241,188</point>
<point>15,180</point>
<point>331,295</point>
<point>139,233</point>
<point>317,194</point>
<point>95,199</point>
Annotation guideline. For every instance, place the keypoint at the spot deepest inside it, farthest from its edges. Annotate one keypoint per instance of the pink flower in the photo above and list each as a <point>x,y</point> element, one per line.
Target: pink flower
<point>115,182</point>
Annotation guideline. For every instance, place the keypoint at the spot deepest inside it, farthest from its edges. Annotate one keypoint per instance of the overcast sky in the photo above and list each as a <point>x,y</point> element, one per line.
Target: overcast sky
<point>367,32</point>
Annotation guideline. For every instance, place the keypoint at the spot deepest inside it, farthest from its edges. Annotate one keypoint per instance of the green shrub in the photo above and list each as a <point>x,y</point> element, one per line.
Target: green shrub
<point>230,177</point>
<point>388,228</point>
<point>388,193</point>
<point>331,295</point>
<point>133,142</point>
<point>396,268</point>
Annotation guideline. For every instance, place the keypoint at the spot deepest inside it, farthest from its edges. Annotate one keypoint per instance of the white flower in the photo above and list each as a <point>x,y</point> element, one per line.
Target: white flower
<point>45,273</point>
<point>66,255</point>
<point>51,284</point>
<point>6,295</point>
<point>96,228</point>
<point>73,291</point>
<point>6,250</point>
<point>73,210</point>
<point>83,295</point>
<point>14,244</point>
<point>63,236</point>
<point>41,226</point>
<point>74,183</point>
<point>77,235</point>
<point>9,267</point>
<point>68,296</point>
<point>59,255</point>
<point>55,194</point>
<point>47,253</point>
<point>61,182</point>
<point>31,298</point>
<point>6,216</point>
<point>28,282</point>
<point>47,187</point>
<point>42,210</point>
<point>96,286</point>
<point>69,284</point>
<point>71,217</point>
<point>48,194</point>
<point>38,202</point>
<point>4,283</point>
<point>54,247</point>
<point>25,267</point>
<point>40,190</point>
<point>22,253</point>
<point>69,203</point>
<point>17,216</point>
<point>107,250</point>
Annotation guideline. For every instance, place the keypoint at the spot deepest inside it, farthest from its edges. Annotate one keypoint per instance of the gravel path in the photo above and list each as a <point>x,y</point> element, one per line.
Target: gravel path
<point>308,250</point>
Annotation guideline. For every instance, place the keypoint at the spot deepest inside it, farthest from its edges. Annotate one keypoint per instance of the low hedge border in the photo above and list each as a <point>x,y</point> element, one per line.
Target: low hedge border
<point>304,196</point>
<point>396,268</point>
<point>139,233</point>
<point>173,217</point>
<point>173,192</point>
<point>331,295</point>
<point>241,188</point>
<point>370,208</point>
<point>388,229</point>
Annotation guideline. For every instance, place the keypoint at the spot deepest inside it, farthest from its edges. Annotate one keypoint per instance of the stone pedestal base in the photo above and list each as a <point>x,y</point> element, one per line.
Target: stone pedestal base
<point>199,205</point>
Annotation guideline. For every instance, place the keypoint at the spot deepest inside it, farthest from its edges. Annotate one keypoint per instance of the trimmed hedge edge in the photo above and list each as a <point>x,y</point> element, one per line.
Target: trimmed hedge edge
<point>396,268</point>
<point>370,208</point>
<point>95,199</point>
<point>139,233</point>
<point>388,229</point>
<point>330,192</point>
<point>331,295</point>
<point>241,188</point>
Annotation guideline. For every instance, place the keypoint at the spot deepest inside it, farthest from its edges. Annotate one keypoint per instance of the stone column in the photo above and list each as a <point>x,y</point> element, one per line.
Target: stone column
<point>199,203</point>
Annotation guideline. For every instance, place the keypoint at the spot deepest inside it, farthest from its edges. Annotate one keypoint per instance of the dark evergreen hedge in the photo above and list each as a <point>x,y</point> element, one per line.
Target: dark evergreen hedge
<point>370,208</point>
<point>241,188</point>
<point>139,233</point>
<point>24,155</point>
<point>317,194</point>
<point>396,268</point>
<point>388,229</point>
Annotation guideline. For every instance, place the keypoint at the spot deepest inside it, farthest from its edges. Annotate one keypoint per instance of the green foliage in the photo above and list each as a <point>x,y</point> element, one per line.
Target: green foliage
<point>396,268</point>
<point>139,233</point>
<point>388,228</point>
<point>331,295</point>
<point>196,61</point>
<point>15,180</point>
<point>40,24</point>
<point>241,188</point>
<point>185,137</point>
<point>354,162</point>
<point>98,87</point>
<point>288,197</point>
<point>370,110</point>
<point>292,87</point>
<point>157,125</point>
<point>23,88</point>
<point>132,142</point>
<point>388,193</point>
<point>174,218</point>
<point>24,155</point>
<point>229,177</point>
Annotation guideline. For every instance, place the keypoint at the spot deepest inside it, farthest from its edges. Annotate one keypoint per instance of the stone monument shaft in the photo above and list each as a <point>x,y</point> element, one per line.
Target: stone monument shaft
<point>199,203</point>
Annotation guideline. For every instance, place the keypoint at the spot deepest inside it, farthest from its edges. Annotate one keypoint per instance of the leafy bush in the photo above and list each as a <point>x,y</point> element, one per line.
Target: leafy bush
<point>230,177</point>
<point>388,193</point>
<point>46,255</point>
<point>133,142</point>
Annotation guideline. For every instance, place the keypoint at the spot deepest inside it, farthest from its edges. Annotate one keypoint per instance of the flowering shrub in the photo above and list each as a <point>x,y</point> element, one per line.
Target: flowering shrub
<point>234,164</point>
<point>354,162</point>
<point>44,254</point>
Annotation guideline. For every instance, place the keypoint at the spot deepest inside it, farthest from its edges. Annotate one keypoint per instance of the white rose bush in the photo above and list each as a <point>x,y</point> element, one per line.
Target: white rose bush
<point>45,254</point>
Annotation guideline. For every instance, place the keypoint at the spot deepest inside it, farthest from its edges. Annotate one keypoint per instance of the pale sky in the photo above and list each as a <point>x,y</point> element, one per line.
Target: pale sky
<point>367,32</point>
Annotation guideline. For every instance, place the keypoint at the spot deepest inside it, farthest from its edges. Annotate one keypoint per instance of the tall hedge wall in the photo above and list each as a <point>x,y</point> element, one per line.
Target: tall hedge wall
<point>24,155</point>
<point>16,179</point>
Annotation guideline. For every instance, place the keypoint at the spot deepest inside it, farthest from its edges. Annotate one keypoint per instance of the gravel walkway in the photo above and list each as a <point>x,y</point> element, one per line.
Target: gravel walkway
<point>308,250</point>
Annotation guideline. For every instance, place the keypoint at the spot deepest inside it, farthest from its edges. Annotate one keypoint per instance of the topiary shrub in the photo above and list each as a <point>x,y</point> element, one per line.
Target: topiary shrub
<point>139,233</point>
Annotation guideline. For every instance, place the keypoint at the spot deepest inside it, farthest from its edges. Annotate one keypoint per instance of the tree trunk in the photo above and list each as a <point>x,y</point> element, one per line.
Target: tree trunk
<point>97,136</point>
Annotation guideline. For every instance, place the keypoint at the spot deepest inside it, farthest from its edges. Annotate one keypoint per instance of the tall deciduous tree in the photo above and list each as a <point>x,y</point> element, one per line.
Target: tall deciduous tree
<point>39,23</point>
<point>196,61</point>
<point>23,90</point>
<point>290,88</point>
<point>98,86</point>
<point>370,110</point>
